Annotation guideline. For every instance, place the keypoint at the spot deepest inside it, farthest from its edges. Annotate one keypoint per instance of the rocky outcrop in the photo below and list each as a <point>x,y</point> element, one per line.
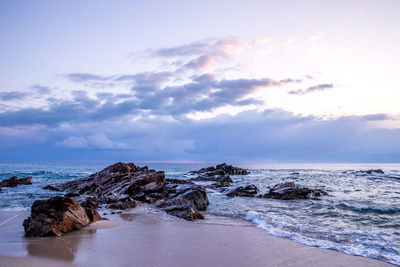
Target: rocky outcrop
<point>184,200</point>
<point>372,171</point>
<point>116,182</point>
<point>56,216</point>
<point>221,169</point>
<point>14,181</point>
<point>243,191</point>
<point>287,191</point>
<point>122,185</point>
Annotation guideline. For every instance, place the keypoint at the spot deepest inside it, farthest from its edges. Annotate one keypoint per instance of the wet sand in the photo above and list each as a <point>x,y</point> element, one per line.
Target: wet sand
<point>139,238</point>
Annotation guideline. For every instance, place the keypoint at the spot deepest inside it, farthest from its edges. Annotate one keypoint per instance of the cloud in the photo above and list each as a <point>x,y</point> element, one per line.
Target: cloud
<point>375,117</point>
<point>199,55</point>
<point>41,89</point>
<point>261,40</point>
<point>96,141</point>
<point>312,89</point>
<point>13,95</point>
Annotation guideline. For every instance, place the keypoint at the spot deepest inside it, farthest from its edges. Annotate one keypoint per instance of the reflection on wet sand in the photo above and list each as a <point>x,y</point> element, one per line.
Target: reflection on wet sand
<point>61,248</point>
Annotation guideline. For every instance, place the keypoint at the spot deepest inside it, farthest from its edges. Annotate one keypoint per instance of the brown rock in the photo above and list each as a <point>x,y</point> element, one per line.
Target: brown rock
<point>55,216</point>
<point>26,180</point>
<point>288,191</point>
<point>10,182</point>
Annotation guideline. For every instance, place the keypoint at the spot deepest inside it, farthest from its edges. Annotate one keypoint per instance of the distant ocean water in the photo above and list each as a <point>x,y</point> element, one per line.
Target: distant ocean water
<point>361,215</point>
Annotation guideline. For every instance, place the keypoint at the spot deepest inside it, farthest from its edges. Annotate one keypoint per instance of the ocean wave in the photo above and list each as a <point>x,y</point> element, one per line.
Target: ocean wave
<point>371,245</point>
<point>366,208</point>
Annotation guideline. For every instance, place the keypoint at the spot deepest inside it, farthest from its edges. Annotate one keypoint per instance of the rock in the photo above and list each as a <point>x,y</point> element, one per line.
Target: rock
<point>372,171</point>
<point>50,187</point>
<point>123,204</point>
<point>185,201</point>
<point>115,181</point>
<point>120,185</point>
<point>10,182</point>
<point>14,181</point>
<point>55,216</point>
<point>287,191</point>
<point>184,211</point>
<point>221,169</point>
<point>295,173</point>
<point>90,203</point>
<point>25,181</point>
<point>243,191</point>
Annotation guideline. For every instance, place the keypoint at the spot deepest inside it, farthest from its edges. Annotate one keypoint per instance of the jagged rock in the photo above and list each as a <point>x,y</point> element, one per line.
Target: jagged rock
<point>221,169</point>
<point>295,173</point>
<point>243,191</point>
<point>90,203</point>
<point>55,216</point>
<point>117,180</point>
<point>287,191</point>
<point>52,188</point>
<point>123,204</point>
<point>120,185</point>
<point>185,201</point>
<point>10,182</point>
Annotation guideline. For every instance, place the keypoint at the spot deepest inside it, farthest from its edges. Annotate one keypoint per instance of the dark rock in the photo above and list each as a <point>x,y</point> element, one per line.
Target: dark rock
<point>295,173</point>
<point>120,185</point>
<point>376,171</point>
<point>287,191</point>
<point>243,191</point>
<point>123,204</point>
<point>90,203</point>
<point>184,211</point>
<point>25,181</point>
<point>185,201</point>
<point>10,182</point>
<point>117,180</point>
<point>55,216</point>
<point>221,169</point>
<point>50,187</point>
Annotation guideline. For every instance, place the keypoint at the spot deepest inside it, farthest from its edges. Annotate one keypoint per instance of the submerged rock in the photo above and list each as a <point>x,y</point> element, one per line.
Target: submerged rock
<point>287,191</point>
<point>372,171</point>
<point>243,191</point>
<point>56,216</point>
<point>14,181</point>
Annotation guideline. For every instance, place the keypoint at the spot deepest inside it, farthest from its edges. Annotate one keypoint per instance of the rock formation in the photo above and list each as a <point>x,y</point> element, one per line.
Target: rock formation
<point>287,191</point>
<point>221,169</point>
<point>56,216</point>
<point>243,191</point>
<point>14,181</point>
<point>121,185</point>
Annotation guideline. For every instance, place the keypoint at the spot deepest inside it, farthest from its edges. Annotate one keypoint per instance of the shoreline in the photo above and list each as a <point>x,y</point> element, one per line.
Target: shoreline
<point>150,239</point>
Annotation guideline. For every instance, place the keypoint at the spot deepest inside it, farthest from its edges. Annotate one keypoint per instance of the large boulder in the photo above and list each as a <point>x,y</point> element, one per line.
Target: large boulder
<point>56,216</point>
<point>243,191</point>
<point>288,191</point>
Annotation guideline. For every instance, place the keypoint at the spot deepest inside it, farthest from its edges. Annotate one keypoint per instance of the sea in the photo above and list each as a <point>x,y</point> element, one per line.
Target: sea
<point>360,216</point>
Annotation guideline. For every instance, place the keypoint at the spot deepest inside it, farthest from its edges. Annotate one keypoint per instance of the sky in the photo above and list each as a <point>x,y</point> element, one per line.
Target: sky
<point>200,81</point>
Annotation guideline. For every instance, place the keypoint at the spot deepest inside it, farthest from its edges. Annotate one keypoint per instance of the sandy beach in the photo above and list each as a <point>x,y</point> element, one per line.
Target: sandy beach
<point>140,238</point>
